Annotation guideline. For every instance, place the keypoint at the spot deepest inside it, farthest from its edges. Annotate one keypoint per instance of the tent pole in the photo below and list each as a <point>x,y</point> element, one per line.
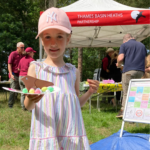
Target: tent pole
<point>122,128</point>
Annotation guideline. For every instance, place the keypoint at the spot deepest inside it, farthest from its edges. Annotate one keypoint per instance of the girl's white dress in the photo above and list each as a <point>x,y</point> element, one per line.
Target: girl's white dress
<point>57,122</point>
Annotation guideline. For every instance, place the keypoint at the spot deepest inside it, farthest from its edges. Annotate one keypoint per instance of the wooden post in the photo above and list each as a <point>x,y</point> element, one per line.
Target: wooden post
<point>80,54</point>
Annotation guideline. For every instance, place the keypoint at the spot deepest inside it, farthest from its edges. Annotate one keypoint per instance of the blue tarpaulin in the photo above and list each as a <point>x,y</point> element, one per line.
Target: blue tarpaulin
<point>128,141</point>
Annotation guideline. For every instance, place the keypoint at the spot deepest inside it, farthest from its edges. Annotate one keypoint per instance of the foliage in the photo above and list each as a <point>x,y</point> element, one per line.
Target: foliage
<point>9,36</point>
<point>91,60</point>
<point>17,23</point>
<point>135,3</point>
<point>63,3</point>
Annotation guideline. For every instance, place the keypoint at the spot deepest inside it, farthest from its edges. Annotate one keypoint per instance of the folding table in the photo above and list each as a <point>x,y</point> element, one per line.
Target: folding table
<point>105,88</point>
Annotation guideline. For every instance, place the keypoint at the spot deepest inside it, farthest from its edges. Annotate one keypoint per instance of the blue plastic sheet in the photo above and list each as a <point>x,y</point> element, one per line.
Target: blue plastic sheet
<point>128,141</point>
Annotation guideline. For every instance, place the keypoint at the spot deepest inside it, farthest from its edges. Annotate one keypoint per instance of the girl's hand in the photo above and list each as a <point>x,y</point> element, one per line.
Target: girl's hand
<point>93,86</point>
<point>35,98</point>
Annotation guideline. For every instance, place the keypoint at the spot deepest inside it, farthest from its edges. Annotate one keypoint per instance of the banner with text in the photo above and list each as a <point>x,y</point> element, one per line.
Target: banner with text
<point>107,18</point>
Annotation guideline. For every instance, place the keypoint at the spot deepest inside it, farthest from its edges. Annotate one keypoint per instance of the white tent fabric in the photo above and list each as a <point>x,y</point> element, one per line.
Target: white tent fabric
<point>104,36</point>
<point>97,5</point>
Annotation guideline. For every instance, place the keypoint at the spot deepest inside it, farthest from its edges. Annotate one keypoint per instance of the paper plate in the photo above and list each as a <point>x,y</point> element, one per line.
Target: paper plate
<point>56,89</point>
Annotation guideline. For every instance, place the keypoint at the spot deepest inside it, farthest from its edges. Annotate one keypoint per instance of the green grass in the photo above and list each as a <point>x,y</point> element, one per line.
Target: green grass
<point>15,124</point>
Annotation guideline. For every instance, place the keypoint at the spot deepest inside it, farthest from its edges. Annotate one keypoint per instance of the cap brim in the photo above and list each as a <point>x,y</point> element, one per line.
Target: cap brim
<point>68,31</point>
<point>31,51</point>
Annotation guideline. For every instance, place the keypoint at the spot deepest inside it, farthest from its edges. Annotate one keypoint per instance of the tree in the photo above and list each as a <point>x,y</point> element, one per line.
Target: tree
<point>17,23</point>
<point>9,36</point>
<point>135,3</point>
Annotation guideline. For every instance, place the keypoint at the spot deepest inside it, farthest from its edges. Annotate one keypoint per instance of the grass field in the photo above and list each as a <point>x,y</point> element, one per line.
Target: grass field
<point>15,124</point>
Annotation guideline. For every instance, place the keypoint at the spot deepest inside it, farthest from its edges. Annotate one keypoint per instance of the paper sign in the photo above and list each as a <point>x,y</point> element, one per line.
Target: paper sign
<point>137,106</point>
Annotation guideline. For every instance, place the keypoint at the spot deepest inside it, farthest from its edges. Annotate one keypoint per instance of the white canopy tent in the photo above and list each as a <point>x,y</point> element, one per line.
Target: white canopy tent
<point>115,20</point>
<point>103,23</point>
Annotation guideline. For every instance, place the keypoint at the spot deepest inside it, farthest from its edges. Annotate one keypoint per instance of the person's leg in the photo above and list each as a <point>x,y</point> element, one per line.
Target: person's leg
<point>111,99</point>
<point>118,96</point>
<point>139,74</point>
<point>15,85</point>
<point>22,86</point>
<point>126,77</point>
<point>125,82</point>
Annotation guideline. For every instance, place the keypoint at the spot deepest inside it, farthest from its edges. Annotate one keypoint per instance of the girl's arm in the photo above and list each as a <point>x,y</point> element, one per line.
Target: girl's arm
<point>93,87</point>
<point>30,100</point>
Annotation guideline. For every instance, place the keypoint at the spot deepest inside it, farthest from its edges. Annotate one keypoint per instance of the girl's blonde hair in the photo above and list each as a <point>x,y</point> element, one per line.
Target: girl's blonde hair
<point>147,64</point>
<point>114,56</point>
<point>147,61</point>
<point>26,53</point>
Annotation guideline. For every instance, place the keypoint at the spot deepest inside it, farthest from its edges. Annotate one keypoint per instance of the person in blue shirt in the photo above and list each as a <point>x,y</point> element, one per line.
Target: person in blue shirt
<point>133,54</point>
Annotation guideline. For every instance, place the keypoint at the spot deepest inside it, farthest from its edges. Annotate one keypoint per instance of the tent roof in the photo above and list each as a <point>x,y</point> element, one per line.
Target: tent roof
<point>97,5</point>
<point>114,20</point>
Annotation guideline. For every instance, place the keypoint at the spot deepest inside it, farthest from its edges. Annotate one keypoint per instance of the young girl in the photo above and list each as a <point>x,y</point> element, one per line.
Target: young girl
<point>57,122</point>
<point>147,67</point>
<point>23,69</point>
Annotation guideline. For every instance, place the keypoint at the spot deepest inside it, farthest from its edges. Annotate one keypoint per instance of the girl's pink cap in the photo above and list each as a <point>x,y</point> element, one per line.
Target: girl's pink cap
<point>54,18</point>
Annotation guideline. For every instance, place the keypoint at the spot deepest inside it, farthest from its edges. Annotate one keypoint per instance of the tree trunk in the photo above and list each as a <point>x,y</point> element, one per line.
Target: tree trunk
<point>80,55</point>
<point>52,3</point>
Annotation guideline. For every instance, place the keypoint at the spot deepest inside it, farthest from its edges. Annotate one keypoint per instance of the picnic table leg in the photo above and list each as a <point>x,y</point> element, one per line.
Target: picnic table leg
<point>115,100</point>
<point>90,105</point>
<point>98,103</point>
<point>6,94</point>
<point>121,97</point>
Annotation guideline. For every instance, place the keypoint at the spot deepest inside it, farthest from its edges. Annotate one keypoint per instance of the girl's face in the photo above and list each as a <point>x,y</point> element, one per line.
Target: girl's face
<point>55,42</point>
<point>31,54</point>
